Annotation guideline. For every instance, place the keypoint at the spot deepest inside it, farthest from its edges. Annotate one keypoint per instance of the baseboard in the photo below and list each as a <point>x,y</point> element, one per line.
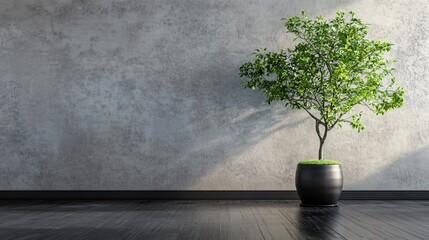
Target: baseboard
<point>202,195</point>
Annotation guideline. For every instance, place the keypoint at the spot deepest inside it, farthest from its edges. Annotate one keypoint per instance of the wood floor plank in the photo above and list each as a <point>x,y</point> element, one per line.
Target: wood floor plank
<point>212,220</point>
<point>375,218</point>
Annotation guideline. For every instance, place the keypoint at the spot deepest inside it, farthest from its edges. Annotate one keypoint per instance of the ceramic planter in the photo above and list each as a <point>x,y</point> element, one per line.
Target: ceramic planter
<point>319,185</point>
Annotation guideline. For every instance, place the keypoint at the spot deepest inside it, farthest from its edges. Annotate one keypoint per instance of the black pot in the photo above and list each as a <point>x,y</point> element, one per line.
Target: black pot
<point>319,185</point>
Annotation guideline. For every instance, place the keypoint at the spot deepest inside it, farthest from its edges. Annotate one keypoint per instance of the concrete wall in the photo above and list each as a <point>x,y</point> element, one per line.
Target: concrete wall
<point>146,95</point>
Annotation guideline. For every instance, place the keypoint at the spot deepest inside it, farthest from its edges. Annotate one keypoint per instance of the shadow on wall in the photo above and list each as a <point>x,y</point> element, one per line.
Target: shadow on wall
<point>142,95</point>
<point>239,122</point>
<point>227,123</point>
<point>410,171</point>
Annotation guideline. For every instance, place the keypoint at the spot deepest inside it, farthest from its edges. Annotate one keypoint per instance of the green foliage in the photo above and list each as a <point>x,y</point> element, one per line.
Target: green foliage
<point>332,68</point>
<point>319,162</point>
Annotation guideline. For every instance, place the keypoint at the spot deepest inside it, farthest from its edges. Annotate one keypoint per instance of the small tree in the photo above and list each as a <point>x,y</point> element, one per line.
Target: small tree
<point>332,69</point>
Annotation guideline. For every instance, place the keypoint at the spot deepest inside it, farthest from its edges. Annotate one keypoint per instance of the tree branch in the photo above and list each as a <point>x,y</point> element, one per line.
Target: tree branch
<point>314,117</point>
<point>366,105</point>
<point>318,130</point>
<point>345,120</point>
<point>335,123</point>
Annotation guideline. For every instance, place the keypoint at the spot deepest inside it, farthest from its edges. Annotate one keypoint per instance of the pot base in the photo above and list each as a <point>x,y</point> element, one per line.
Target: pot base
<point>318,205</point>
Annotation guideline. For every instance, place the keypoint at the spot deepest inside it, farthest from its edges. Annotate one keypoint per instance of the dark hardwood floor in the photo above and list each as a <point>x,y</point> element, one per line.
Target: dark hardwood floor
<point>212,220</point>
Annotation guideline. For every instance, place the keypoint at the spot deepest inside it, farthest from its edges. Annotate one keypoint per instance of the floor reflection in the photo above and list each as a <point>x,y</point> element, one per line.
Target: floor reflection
<point>318,223</point>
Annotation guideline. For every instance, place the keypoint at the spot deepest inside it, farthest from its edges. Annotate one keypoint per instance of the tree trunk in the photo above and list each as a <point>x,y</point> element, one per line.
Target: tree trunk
<point>322,137</point>
<point>322,141</point>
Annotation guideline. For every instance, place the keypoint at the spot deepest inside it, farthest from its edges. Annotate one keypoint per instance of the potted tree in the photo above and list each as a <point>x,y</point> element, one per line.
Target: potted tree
<point>333,73</point>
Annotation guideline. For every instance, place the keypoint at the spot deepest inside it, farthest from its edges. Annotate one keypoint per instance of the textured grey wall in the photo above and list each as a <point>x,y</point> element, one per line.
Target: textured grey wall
<point>146,95</point>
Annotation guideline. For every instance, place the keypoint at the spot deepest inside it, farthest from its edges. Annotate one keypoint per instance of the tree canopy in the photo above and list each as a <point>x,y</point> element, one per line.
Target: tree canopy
<point>332,68</point>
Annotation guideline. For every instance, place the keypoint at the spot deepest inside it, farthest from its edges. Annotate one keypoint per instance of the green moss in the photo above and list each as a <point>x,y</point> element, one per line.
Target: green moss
<point>320,162</point>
